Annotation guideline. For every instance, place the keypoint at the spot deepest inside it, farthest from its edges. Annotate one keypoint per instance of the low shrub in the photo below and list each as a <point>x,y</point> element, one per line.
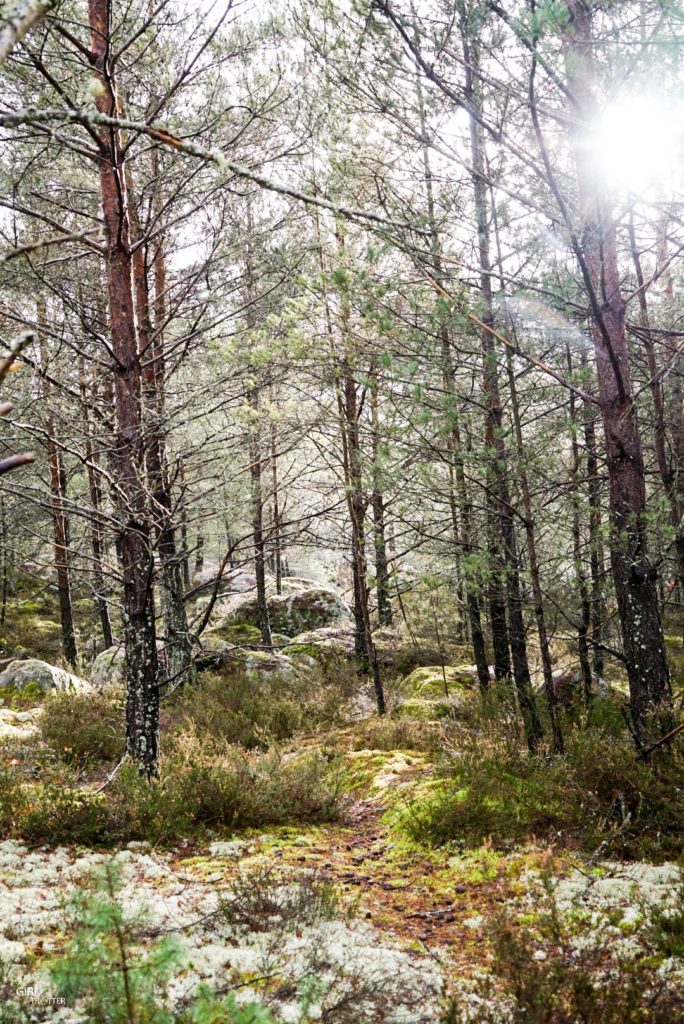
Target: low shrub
<point>664,926</point>
<point>598,795</point>
<point>200,786</point>
<point>263,897</point>
<point>388,733</point>
<point>85,729</point>
<point>546,973</point>
<point>252,710</point>
<point>28,697</point>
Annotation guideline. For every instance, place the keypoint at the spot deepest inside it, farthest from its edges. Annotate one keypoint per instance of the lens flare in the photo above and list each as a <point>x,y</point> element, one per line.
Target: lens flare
<point>638,142</point>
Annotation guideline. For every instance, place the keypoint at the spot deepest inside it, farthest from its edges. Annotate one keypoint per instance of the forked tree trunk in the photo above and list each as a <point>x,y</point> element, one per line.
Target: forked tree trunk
<point>633,574</point>
<point>142,678</point>
<point>179,665</point>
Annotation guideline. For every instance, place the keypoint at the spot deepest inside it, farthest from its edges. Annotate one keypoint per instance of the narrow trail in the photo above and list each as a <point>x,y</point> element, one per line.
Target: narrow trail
<point>420,898</point>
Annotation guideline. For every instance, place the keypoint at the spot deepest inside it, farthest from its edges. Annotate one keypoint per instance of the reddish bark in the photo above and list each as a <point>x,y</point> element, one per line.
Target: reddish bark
<point>633,574</point>
<point>142,681</point>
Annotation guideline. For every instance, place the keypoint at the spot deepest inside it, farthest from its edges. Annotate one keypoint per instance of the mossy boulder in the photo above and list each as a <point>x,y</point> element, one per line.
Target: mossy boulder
<point>437,681</point>
<point>311,608</point>
<point>393,650</point>
<point>241,635</point>
<point>424,710</point>
<point>271,664</point>
<point>260,664</point>
<point>324,644</point>
<point>334,642</point>
<point>218,655</point>
<point>233,581</point>
<point>244,635</point>
<point>108,669</point>
<point>212,653</point>
<point>41,676</point>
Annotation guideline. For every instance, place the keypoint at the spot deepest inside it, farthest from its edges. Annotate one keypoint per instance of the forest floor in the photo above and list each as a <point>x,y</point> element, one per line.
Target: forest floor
<point>392,928</point>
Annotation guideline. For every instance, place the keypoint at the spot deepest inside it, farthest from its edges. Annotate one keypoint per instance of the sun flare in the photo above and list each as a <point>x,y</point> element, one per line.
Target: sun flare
<point>638,142</point>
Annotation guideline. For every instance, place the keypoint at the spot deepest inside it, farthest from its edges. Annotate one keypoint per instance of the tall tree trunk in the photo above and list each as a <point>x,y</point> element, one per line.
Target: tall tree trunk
<point>185,559</point>
<point>667,476</point>
<point>4,553</point>
<point>633,574</point>
<point>257,495</point>
<point>97,539</point>
<point>142,678</point>
<point>531,541</point>
<point>598,613</point>
<point>459,501</point>
<point>583,590</point>
<point>348,407</point>
<point>494,439</point>
<point>199,553</point>
<point>60,517</point>
<point>535,574</point>
<point>378,510</point>
<point>179,665</point>
<point>356,504</point>
<point>345,390</point>
<point>276,533</point>
<point>256,458</point>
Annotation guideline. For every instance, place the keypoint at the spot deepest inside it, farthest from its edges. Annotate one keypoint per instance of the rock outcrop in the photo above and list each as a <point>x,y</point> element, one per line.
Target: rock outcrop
<point>42,677</point>
<point>293,612</point>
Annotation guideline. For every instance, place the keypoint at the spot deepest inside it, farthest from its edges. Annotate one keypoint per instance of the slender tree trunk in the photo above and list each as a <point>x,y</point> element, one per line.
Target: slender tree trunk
<point>378,509</point>
<point>598,614</point>
<point>256,474</point>
<point>667,476</point>
<point>357,511</point>
<point>60,517</point>
<point>256,460</point>
<point>97,540</point>
<point>583,590</point>
<point>184,525</point>
<point>535,574</point>
<point>4,544</point>
<point>494,440</point>
<point>276,535</point>
<point>142,680</point>
<point>458,491</point>
<point>179,665</point>
<point>352,458</point>
<point>633,574</point>
<point>199,553</point>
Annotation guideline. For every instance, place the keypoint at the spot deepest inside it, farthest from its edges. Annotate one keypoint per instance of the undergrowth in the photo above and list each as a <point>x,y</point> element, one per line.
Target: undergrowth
<point>546,972</point>
<point>201,786</point>
<point>598,796</point>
